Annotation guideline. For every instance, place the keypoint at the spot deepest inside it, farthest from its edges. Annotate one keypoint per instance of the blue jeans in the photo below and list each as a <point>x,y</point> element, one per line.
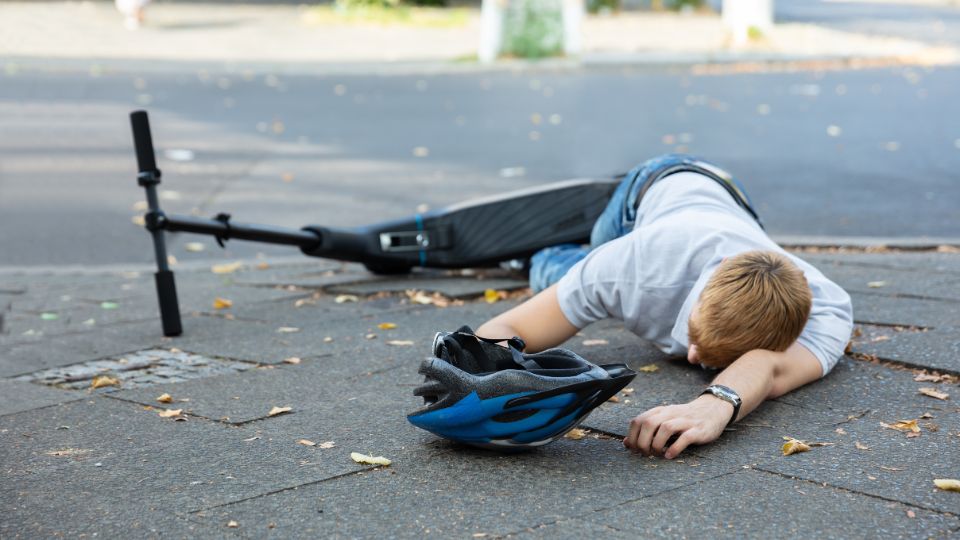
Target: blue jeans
<point>550,264</point>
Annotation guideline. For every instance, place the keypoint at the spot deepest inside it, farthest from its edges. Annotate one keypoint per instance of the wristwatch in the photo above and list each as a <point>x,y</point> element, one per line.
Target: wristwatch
<point>727,394</point>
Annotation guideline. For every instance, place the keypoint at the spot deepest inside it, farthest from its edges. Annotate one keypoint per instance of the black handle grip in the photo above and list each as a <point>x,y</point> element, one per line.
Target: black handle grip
<point>142,141</point>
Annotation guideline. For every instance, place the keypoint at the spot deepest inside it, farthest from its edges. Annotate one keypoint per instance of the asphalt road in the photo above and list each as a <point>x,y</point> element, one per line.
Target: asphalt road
<point>861,153</point>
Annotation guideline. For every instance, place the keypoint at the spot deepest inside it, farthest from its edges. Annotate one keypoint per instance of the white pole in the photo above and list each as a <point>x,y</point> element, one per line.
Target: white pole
<point>491,30</point>
<point>572,21</point>
<point>739,16</point>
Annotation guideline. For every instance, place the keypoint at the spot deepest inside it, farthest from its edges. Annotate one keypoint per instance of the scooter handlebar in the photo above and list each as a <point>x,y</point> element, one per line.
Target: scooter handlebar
<point>142,141</point>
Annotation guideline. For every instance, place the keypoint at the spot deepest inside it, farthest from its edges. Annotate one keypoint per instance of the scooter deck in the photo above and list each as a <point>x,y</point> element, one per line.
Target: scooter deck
<point>479,232</point>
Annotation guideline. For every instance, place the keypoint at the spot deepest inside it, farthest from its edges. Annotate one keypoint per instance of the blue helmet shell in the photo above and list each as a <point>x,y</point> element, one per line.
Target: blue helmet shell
<point>490,396</point>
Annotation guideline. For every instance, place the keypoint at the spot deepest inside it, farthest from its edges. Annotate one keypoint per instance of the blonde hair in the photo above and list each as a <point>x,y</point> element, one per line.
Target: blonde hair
<point>755,300</point>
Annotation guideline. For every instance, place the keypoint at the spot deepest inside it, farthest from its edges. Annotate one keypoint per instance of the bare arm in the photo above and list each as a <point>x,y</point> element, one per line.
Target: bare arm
<point>539,321</point>
<point>756,376</point>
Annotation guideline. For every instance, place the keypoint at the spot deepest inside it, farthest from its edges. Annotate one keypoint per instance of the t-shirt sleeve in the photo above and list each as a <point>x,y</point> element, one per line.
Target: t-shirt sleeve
<point>830,325</point>
<point>591,290</point>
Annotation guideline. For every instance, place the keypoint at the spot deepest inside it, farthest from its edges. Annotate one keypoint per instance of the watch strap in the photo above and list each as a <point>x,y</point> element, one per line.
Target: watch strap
<point>726,394</point>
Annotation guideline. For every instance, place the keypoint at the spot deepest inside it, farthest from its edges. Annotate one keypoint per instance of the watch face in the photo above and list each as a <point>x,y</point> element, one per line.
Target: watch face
<point>725,393</point>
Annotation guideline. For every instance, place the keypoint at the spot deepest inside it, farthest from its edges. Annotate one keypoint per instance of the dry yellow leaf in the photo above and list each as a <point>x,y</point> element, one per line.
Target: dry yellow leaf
<point>594,342</point>
<point>400,342</point>
<point>934,393</point>
<point>793,446</point>
<point>386,326</point>
<point>169,413</point>
<point>104,380</point>
<point>363,458</point>
<point>947,484</point>
<point>627,391</point>
<point>328,339</point>
<point>292,360</point>
<point>68,452</point>
<point>326,445</point>
<point>614,399</point>
<point>233,524</point>
<point>876,284</point>
<point>165,398</point>
<point>226,268</point>
<point>491,296</point>
<point>222,303</point>
<point>306,442</point>
<point>340,299</point>
<point>263,266</point>
<point>279,410</point>
<point>649,368</point>
<point>419,297</point>
<point>288,329</point>
<point>903,425</point>
<point>575,434</point>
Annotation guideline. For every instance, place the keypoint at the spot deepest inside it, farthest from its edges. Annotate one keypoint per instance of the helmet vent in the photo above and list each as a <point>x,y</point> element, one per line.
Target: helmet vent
<point>514,416</point>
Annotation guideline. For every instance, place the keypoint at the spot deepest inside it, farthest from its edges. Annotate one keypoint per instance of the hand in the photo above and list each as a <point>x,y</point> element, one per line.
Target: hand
<point>667,431</point>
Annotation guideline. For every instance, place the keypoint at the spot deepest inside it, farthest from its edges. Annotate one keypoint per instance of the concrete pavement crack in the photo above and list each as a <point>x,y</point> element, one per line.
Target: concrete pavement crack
<point>854,491</point>
<point>281,490</point>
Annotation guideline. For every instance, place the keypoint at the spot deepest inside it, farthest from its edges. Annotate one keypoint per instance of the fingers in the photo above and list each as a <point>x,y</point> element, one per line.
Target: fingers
<point>665,432</point>
<point>640,430</point>
<point>688,437</point>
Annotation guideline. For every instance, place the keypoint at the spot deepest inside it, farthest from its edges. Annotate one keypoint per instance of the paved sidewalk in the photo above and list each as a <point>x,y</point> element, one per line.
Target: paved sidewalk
<point>92,33</point>
<point>82,461</point>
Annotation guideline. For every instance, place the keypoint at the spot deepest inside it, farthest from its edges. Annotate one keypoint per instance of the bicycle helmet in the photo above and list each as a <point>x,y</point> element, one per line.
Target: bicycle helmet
<point>482,394</point>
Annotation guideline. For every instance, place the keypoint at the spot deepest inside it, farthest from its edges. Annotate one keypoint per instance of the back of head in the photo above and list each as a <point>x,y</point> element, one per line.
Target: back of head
<point>754,300</point>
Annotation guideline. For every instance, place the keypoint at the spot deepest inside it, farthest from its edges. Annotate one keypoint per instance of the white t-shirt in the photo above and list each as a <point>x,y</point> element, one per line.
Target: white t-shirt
<point>652,277</point>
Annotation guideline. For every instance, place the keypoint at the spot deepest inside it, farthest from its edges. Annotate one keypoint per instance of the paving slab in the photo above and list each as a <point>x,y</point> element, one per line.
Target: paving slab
<point>904,311</point>
<point>22,396</point>
<point>937,349</point>
<point>757,504</point>
<point>90,514</point>
<point>41,352</point>
<point>274,341</point>
<point>919,282</point>
<point>137,458</point>
<point>449,286</point>
<point>463,492</point>
<point>927,261</point>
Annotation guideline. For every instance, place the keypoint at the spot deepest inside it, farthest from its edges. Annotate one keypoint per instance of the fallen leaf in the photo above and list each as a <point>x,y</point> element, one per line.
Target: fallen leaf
<point>233,524</point>
<point>287,177</point>
<point>419,297</point>
<point>109,305</point>
<point>255,437</point>
<point>169,413</point>
<point>363,458</point>
<point>911,514</point>
<point>840,431</point>
<point>934,393</point>
<point>491,296</point>
<point>306,442</point>
<point>860,446</point>
<point>68,452</point>
<point>292,360</point>
<point>575,434</point>
<point>947,484</point>
<point>221,303</point>
<point>370,336</point>
<point>288,329</point>
<point>194,247</point>
<point>649,368</point>
<point>627,391</point>
<point>263,266</point>
<point>614,399</point>
<point>165,398</point>
<point>326,445</point>
<point>894,469</point>
<point>794,446</point>
<point>876,284</point>
<point>226,268</point>
<point>49,316</point>
<point>279,410</point>
<point>421,151</point>
<point>903,425</point>
<point>343,298</point>
<point>104,380</point>
<point>328,339</point>
<point>386,326</point>
<point>930,377</point>
<point>926,416</point>
<point>400,342</point>
<point>593,342</point>
<point>913,434</point>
